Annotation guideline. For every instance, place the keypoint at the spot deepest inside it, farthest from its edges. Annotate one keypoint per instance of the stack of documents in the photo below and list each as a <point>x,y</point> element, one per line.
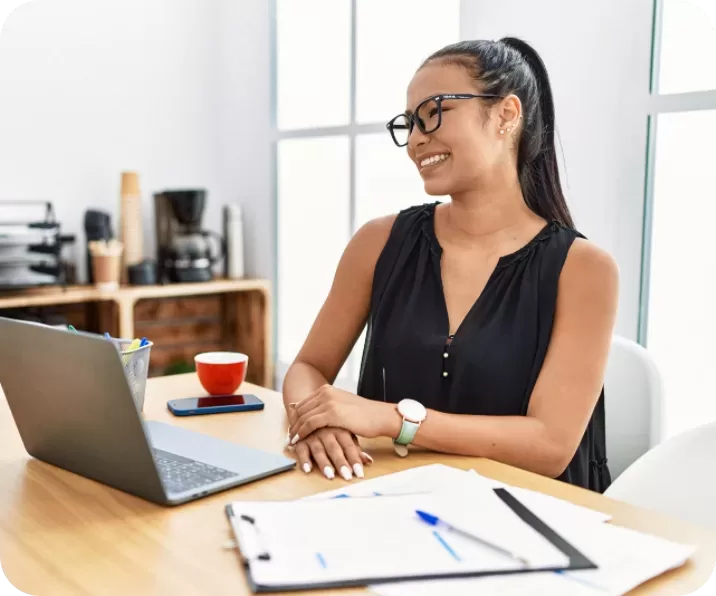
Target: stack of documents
<point>368,533</point>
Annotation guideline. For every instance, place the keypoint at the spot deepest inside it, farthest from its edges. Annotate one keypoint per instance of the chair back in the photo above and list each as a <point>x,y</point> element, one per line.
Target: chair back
<point>632,403</point>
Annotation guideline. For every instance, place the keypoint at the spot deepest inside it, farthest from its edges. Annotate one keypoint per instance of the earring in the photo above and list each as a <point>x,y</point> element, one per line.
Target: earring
<point>502,131</point>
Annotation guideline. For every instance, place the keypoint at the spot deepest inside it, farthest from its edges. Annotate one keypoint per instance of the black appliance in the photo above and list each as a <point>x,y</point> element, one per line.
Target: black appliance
<point>98,226</point>
<point>185,252</point>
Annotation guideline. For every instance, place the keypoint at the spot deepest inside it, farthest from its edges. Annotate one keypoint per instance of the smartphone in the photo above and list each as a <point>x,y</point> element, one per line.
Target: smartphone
<point>217,404</point>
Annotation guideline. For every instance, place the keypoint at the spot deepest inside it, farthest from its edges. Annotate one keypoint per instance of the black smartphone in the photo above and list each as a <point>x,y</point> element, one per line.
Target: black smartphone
<point>215,404</point>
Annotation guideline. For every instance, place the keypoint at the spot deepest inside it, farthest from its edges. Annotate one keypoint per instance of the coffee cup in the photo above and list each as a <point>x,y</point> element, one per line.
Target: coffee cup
<point>221,373</point>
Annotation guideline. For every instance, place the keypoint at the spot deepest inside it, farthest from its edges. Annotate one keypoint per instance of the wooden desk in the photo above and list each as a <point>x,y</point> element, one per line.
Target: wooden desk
<point>65,535</point>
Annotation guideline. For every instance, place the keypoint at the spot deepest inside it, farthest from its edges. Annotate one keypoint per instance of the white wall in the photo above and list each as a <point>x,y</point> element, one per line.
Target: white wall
<point>598,58</point>
<point>90,88</point>
<point>245,115</point>
<point>180,91</point>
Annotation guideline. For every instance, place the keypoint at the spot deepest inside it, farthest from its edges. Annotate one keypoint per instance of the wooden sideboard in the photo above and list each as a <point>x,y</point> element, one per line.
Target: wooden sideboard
<point>180,319</point>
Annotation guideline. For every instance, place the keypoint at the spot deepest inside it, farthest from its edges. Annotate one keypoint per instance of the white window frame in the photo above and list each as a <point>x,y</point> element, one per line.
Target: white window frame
<point>351,130</point>
<point>659,104</point>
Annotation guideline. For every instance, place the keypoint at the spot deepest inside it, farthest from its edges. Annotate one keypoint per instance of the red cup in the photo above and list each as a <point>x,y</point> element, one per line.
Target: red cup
<point>221,373</point>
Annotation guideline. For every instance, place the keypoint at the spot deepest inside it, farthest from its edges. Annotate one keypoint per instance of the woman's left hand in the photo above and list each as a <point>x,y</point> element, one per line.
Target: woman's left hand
<point>329,406</point>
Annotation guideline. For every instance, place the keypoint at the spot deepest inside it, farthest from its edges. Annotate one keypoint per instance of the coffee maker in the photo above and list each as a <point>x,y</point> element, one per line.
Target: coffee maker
<point>184,251</point>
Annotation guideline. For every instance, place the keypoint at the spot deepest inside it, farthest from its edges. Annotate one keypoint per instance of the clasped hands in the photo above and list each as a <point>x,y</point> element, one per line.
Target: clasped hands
<point>325,425</point>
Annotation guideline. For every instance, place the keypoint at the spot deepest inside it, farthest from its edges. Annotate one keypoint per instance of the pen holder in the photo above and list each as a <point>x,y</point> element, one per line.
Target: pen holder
<point>136,367</point>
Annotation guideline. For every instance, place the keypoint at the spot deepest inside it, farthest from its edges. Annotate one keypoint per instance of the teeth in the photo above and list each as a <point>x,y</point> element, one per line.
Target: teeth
<point>428,161</point>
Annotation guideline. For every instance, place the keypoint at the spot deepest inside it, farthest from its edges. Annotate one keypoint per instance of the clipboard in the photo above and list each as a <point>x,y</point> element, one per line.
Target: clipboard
<point>258,550</point>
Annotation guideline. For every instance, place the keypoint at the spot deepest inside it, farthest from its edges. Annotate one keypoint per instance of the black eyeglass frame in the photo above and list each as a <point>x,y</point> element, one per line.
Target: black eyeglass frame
<point>414,119</point>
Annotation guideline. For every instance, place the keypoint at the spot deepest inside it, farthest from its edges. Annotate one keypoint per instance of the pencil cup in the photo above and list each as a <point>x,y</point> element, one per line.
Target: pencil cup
<point>136,368</point>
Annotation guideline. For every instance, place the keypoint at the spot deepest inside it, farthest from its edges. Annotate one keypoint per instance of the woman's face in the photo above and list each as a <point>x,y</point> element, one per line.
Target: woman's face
<point>467,147</point>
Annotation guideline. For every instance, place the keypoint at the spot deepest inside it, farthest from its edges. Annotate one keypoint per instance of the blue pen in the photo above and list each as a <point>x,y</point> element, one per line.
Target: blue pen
<point>144,342</point>
<point>435,521</point>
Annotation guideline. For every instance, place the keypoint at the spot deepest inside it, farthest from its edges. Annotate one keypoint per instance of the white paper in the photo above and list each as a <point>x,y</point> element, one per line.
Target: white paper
<point>625,559</point>
<point>554,512</point>
<point>423,479</point>
<point>319,541</point>
<point>531,584</point>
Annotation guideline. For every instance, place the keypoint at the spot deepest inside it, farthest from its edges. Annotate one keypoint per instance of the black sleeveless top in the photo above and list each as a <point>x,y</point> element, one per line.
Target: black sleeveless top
<point>494,357</point>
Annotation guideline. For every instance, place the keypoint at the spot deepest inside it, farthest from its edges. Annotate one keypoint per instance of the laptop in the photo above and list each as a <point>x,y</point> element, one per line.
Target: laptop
<point>74,409</point>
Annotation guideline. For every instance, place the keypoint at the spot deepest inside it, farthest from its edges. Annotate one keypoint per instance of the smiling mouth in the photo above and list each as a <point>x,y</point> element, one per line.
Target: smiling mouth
<point>433,161</point>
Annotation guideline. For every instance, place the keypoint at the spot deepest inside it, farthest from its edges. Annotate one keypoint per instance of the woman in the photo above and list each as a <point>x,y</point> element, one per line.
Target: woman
<point>489,318</point>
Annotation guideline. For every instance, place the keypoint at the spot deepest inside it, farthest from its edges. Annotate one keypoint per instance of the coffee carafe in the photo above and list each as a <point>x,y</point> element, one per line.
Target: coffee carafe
<point>186,253</point>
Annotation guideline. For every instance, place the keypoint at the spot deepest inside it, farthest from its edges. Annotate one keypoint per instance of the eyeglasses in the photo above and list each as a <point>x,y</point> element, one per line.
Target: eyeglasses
<point>428,116</point>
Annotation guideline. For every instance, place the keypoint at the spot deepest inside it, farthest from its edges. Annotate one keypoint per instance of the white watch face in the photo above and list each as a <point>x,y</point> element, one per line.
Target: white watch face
<point>412,410</point>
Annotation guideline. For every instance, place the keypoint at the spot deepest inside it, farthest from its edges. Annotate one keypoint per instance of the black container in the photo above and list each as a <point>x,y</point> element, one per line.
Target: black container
<point>142,274</point>
<point>98,226</point>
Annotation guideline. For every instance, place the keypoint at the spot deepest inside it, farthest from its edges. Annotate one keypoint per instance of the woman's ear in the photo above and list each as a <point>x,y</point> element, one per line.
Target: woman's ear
<point>509,113</point>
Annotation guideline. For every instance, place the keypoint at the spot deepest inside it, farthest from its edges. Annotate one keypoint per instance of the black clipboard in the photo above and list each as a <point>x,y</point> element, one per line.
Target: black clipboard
<point>577,560</point>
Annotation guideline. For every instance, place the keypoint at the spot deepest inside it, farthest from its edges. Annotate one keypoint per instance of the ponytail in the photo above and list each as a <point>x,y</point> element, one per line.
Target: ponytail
<point>512,66</point>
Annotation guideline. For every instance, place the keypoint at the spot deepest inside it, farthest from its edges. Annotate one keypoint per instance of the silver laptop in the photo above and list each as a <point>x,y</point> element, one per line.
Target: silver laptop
<point>74,409</point>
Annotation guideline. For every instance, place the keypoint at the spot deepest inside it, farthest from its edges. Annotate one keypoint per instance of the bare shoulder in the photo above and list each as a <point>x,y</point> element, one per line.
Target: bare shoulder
<point>590,273</point>
<point>368,242</point>
<point>587,261</point>
<point>376,230</point>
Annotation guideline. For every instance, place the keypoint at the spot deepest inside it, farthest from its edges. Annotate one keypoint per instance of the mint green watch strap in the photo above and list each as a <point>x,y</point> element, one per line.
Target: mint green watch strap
<point>407,432</point>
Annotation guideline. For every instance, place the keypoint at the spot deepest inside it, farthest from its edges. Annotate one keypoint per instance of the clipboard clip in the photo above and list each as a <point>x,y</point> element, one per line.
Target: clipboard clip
<point>259,552</point>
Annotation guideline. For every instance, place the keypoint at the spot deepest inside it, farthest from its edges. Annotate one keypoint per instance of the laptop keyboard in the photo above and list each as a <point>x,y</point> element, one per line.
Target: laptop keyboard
<point>180,474</point>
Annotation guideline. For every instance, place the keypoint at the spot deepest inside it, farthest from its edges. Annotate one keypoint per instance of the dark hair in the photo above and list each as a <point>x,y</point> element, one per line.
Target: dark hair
<point>507,66</point>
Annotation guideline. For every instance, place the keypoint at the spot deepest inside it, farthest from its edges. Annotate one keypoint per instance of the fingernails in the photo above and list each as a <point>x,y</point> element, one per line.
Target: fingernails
<point>307,467</point>
<point>294,440</point>
<point>293,404</point>
<point>368,457</point>
<point>358,469</point>
<point>346,473</point>
<point>329,473</point>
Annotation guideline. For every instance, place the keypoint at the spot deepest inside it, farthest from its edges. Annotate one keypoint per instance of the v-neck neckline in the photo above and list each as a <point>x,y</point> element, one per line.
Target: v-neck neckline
<point>503,261</point>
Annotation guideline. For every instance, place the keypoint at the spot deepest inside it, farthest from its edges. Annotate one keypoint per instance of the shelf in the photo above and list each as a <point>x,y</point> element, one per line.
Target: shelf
<point>180,319</point>
<point>74,294</point>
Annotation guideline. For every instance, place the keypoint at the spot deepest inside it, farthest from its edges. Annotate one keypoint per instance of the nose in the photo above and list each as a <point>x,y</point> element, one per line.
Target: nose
<point>417,138</point>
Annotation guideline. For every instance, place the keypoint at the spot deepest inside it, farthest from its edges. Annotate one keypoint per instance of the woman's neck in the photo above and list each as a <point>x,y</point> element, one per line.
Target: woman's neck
<point>490,215</point>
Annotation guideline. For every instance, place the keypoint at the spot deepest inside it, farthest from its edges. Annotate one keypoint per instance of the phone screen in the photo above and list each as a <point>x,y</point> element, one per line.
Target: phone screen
<point>217,401</point>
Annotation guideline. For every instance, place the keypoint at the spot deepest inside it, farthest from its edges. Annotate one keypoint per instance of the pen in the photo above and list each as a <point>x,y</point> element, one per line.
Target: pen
<point>433,520</point>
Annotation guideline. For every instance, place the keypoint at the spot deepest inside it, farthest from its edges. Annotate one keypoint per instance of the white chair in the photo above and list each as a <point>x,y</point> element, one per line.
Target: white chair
<point>632,403</point>
<point>675,478</point>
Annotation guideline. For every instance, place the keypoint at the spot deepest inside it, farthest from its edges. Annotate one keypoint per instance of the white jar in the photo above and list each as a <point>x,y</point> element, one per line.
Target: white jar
<point>234,238</point>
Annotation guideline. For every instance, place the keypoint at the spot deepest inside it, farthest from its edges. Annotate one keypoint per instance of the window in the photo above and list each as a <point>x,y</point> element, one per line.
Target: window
<point>688,46</point>
<point>679,322</point>
<point>338,80</point>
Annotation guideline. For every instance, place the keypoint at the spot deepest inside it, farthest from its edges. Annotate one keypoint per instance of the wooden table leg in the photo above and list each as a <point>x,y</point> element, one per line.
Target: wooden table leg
<point>252,330</point>
<point>125,307</point>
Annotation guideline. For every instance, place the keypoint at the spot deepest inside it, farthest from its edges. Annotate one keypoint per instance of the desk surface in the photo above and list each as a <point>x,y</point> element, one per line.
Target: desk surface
<point>61,534</point>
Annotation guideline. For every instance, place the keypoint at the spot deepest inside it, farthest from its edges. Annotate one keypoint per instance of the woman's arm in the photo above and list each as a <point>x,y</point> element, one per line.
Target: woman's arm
<point>334,332</point>
<point>564,397</point>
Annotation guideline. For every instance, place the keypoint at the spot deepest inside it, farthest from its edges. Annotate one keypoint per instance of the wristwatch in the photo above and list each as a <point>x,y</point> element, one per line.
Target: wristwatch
<point>413,413</point>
